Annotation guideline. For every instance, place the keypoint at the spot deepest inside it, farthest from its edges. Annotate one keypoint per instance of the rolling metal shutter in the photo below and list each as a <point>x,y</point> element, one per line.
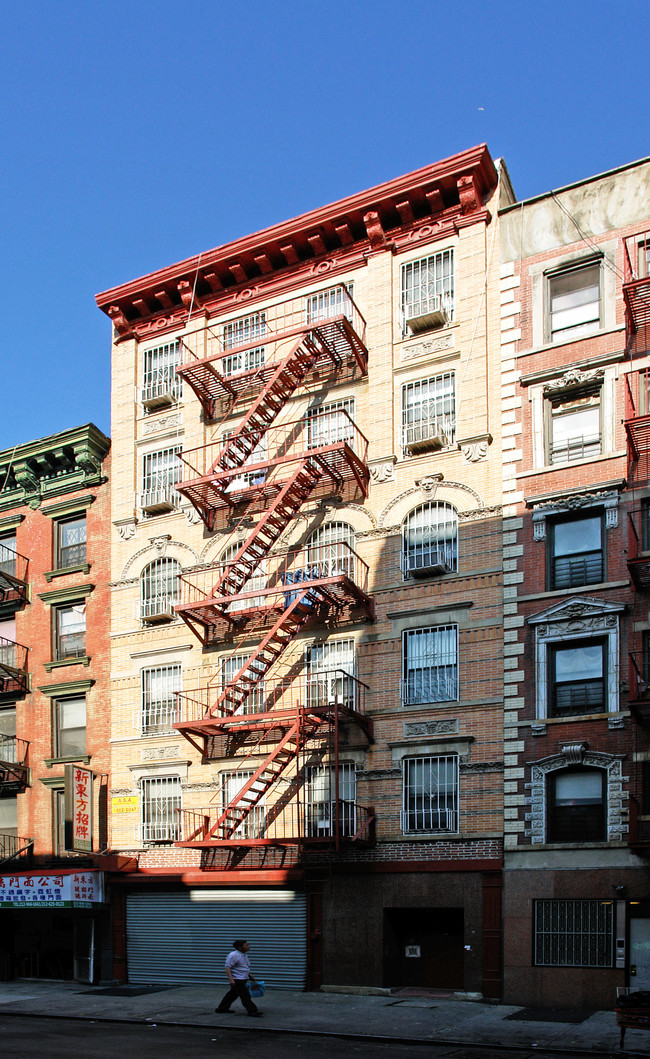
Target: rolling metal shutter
<point>185,937</point>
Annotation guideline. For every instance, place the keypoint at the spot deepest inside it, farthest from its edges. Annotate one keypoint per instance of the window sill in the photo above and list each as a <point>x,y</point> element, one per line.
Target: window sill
<point>602,716</point>
<point>83,660</point>
<point>80,759</point>
<point>81,568</point>
<point>548,468</point>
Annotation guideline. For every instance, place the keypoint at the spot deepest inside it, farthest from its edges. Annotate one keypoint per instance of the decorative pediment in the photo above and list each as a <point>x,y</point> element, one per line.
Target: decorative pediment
<point>574,379</point>
<point>578,608</point>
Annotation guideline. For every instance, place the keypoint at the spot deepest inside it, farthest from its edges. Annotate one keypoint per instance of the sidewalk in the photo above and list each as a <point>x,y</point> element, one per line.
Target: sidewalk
<point>415,1018</point>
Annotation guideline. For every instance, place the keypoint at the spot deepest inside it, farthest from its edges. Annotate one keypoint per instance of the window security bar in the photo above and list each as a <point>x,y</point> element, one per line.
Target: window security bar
<point>13,751</point>
<point>428,820</point>
<point>160,384</point>
<point>580,447</point>
<point>573,933</point>
<point>573,570</point>
<point>440,684</point>
<point>165,496</point>
<point>157,606</point>
<point>428,557</point>
<point>320,818</point>
<point>161,802</point>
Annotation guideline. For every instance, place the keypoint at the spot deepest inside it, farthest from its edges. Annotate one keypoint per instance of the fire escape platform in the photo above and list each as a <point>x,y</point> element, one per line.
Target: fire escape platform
<point>222,491</point>
<point>335,591</point>
<point>638,434</point>
<point>636,293</point>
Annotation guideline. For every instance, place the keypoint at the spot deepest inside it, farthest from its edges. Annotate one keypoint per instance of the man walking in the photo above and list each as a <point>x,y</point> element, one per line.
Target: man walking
<point>238,969</point>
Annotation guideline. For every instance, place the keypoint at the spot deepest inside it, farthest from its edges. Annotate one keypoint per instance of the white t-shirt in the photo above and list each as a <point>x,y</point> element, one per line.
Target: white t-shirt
<point>239,964</point>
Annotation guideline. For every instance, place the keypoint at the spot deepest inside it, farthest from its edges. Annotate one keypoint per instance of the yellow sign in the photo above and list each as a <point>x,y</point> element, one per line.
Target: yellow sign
<point>126,804</point>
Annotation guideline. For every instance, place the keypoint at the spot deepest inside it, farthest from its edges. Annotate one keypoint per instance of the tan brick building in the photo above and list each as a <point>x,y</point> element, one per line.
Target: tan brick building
<point>306,666</point>
<point>575,287</point>
<point>54,706</point>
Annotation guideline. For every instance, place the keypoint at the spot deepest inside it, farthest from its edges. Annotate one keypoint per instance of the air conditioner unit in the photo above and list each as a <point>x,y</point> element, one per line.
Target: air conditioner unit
<point>424,437</point>
<point>428,313</point>
<point>161,608</point>
<point>157,501</point>
<point>159,394</point>
<point>430,563</point>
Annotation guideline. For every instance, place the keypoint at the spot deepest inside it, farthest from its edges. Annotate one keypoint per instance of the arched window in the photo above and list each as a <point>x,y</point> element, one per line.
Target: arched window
<point>576,805</point>
<point>258,580</point>
<point>430,540</point>
<point>331,549</point>
<point>159,589</point>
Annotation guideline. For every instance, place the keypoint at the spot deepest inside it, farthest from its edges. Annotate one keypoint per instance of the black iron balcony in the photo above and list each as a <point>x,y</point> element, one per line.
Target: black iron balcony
<point>13,669</point>
<point>15,848</point>
<point>638,552</point>
<point>13,578</point>
<point>636,284</point>
<point>14,773</point>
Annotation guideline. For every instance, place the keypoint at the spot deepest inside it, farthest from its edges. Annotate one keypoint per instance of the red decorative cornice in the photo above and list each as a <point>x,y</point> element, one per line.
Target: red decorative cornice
<point>429,203</point>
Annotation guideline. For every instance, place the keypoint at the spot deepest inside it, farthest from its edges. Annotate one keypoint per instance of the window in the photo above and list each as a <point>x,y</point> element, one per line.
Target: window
<point>330,423</point>
<point>336,301</point>
<point>330,673</point>
<point>70,631</point>
<point>245,360</point>
<point>258,454</point>
<point>573,303</point>
<point>71,542</point>
<point>576,805</point>
<point>70,727</point>
<point>8,555</point>
<point>160,685</point>
<point>160,472</point>
<point>161,802</point>
<point>8,742</point>
<point>245,331</point>
<point>574,933</point>
<point>330,550</point>
<point>430,540</point>
<point>428,292</point>
<point>160,383</point>
<point>253,826</point>
<point>58,815</point>
<point>578,677</point>
<point>159,589</point>
<point>430,665</point>
<point>428,413</point>
<point>576,555</point>
<point>430,794</point>
<point>254,702</point>
<point>574,428</point>
<point>321,801</point>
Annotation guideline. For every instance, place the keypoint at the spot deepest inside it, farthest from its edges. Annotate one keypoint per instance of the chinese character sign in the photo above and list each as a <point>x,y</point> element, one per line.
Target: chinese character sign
<point>79,808</point>
<point>69,890</point>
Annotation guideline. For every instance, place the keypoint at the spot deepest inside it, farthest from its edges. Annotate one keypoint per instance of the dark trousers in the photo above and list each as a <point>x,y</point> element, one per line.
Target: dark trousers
<point>239,989</point>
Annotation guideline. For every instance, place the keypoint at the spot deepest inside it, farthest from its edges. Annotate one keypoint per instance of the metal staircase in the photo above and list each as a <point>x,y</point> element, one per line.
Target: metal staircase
<point>300,461</point>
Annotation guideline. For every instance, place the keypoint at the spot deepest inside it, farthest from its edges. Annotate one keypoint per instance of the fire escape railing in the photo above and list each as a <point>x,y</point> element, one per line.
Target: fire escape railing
<point>13,577</point>
<point>13,848</point>
<point>14,773</point>
<point>13,668</point>
<point>636,282</point>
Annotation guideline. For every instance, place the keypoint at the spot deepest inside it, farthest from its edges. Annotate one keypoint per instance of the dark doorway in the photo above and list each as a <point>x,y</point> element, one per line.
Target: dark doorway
<point>423,947</point>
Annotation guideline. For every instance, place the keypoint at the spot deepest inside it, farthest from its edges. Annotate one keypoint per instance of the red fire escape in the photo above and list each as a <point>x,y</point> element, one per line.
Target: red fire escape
<point>260,477</point>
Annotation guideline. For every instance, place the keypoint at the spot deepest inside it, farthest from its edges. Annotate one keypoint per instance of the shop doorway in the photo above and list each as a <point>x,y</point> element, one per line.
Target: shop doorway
<point>423,948</point>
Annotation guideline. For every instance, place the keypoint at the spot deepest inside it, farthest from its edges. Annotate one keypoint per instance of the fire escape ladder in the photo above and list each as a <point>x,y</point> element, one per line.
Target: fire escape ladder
<point>266,532</point>
<point>235,694</point>
<point>287,377</point>
<point>283,753</point>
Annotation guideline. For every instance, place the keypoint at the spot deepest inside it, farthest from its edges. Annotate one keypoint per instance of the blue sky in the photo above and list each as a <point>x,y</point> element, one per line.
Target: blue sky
<point>137,133</point>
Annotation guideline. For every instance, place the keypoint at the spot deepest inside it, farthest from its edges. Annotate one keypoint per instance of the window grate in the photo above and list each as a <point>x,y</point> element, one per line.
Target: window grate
<point>160,685</point>
<point>430,539</point>
<point>159,378</point>
<point>321,804</point>
<point>430,665</point>
<point>246,330</point>
<point>161,800</point>
<point>429,411</point>
<point>428,286</point>
<point>572,933</point>
<point>430,794</point>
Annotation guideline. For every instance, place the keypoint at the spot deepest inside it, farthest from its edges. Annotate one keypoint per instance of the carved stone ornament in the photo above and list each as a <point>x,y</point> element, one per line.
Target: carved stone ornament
<point>574,378</point>
<point>383,470</point>
<point>616,814</point>
<point>160,753</point>
<point>429,485</point>
<point>414,729</point>
<point>160,543</point>
<point>126,528</point>
<point>475,449</point>
<point>159,423</point>
<point>426,349</point>
<point>605,498</point>
<point>192,516</point>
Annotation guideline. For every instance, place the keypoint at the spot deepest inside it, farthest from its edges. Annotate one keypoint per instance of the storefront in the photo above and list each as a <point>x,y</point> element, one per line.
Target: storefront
<point>52,925</point>
<point>185,936</point>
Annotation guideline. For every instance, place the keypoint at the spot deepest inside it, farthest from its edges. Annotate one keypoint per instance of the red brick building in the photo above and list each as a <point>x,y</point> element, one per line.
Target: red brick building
<point>54,705</point>
<point>574,292</point>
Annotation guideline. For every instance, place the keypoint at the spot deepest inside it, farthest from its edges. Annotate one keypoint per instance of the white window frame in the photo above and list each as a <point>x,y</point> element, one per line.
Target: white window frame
<point>577,321</point>
<point>159,481</point>
<point>244,330</point>
<point>320,800</point>
<point>156,595</point>
<point>228,669</point>
<point>331,550</point>
<point>427,287</point>
<point>435,650</point>
<point>432,818</point>
<point>161,797</point>
<point>328,423</point>
<point>329,303</point>
<point>159,378</point>
<point>159,701</point>
<point>254,825</point>
<point>429,411</point>
<point>330,668</point>
<point>438,553</point>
